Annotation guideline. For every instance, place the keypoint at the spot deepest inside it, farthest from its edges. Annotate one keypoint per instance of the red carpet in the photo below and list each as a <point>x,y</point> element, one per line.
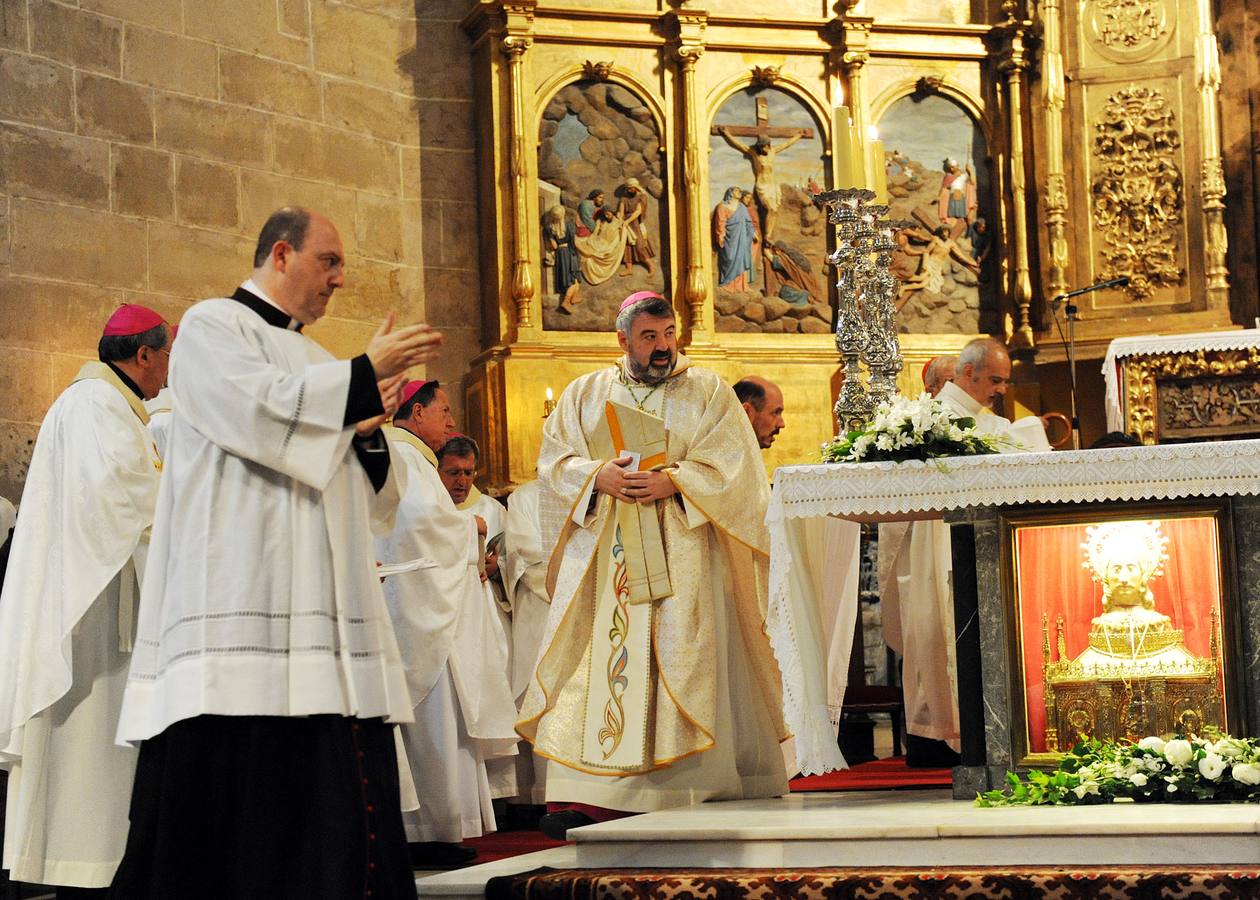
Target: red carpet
<point>502,844</point>
<point>880,775</point>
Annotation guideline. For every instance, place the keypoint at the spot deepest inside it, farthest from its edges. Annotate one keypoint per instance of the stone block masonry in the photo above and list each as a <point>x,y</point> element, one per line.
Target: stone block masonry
<point>142,143</point>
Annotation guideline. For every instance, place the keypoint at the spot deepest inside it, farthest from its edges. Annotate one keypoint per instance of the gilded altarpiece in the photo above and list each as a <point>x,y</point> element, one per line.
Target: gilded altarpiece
<point>1129,169</point>
<point>608,127</point>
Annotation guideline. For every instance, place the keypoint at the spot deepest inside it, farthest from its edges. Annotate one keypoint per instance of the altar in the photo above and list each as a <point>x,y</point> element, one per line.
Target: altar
<point>1003,645</point>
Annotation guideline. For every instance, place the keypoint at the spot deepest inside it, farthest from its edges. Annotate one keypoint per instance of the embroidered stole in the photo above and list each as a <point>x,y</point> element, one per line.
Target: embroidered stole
<point>631,571</point>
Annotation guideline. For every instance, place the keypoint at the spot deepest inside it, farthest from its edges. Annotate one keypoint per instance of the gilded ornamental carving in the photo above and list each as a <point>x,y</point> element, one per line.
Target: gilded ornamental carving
<point>1137,192</point>
<point>1130,29</point>
<point>1202,393</point>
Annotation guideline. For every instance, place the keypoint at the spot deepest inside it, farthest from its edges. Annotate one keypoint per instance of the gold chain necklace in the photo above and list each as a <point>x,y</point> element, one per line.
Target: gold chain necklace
<point>639,402</point>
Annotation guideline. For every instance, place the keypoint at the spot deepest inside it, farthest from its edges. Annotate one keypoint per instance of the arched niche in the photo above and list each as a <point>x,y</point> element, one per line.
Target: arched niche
<point>938,170</point>
<point>599,137</point>
<point>768,158</point>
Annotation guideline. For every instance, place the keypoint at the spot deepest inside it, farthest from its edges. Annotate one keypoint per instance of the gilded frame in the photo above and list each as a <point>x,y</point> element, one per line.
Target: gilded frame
<point>1141,375</point>
<point>1227,580</point>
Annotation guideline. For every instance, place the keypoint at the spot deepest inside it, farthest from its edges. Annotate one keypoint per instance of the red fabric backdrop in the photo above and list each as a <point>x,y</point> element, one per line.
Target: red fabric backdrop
<point>1052,579</point>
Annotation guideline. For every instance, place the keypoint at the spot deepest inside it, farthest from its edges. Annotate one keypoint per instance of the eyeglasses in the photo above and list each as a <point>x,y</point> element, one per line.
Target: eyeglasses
<point>459,473</point>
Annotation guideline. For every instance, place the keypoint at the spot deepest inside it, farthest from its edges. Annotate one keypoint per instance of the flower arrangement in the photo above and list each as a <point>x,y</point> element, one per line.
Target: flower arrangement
<point>1180,770</point>
<point>905,429</point>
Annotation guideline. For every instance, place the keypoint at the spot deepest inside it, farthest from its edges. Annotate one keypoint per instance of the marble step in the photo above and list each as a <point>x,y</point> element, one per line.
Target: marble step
<point>470,883</point>
<point>920,828</point>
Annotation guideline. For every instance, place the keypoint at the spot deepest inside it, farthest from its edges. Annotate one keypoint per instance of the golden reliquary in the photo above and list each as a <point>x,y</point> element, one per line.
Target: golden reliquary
<point>1136,677</point>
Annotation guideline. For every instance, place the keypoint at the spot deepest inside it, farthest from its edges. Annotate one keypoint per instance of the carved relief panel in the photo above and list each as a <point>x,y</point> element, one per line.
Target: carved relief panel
<point>1137,190</point>
<point>1141,149</point>
<point>1127,31</point>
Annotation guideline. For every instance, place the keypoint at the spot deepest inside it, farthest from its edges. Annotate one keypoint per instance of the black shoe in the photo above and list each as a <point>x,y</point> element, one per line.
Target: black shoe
<point>440,855</point>
<point>925,753</point>
<point>556,825</point>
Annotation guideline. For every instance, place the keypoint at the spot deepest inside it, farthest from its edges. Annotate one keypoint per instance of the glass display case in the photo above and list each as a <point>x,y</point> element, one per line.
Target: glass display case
<point>1123,625</point>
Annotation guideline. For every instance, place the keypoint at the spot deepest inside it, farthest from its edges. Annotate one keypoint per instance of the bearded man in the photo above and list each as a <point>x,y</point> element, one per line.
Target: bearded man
<point>656,686</point>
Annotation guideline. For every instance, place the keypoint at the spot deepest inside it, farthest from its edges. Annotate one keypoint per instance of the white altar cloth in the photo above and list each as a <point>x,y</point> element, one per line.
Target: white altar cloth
<point>810,583</point>
<point>1154,344</point>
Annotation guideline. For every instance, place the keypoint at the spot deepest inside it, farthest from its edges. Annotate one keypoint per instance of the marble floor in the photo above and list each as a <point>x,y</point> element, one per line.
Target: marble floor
<point>890,828</point>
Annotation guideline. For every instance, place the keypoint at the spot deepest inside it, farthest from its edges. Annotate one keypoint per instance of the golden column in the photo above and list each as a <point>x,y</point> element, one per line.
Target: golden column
<point>1207,65</point>
<point>1013,63</point>
<point>518,39</point>
<point>1053,96</point>
<point>690,25</point>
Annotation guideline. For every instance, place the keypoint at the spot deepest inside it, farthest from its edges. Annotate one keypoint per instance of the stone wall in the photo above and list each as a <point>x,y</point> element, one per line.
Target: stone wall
<point>143,143</point>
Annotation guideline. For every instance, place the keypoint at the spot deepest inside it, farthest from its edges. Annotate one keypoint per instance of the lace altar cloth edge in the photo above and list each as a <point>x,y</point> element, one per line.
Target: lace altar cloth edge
<point>1151,344</point>
<point>1162,472</point>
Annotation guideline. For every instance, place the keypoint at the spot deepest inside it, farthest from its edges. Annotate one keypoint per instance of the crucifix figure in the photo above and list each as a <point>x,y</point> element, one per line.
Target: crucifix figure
<point>761,155</point>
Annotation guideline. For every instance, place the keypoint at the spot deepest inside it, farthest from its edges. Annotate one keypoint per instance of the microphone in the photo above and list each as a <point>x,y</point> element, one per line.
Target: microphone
<point>1122,281</point>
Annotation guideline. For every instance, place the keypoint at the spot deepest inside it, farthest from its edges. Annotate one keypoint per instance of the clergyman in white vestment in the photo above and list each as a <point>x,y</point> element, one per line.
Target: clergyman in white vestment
<point>915,563</point>
<point>448,638</point>
<point>762,401</point>
<point>524,569</point>
<point>266,671</point>
<point>458,460</point>
<point>657,686</point>
<point>67,612</point>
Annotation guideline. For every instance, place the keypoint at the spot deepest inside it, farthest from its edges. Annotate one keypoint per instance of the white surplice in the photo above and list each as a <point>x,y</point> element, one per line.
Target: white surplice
<point>66,622</point>
<point>261,596</point>
<point>454,658</point>
<point>524,568</point>
<point>159,409</point>
<point>495,517</point>
<point>916,591</point>
<point>502,771</point>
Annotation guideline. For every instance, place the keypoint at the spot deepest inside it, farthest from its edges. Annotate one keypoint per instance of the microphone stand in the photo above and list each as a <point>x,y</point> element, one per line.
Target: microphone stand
<point>1069,342</point>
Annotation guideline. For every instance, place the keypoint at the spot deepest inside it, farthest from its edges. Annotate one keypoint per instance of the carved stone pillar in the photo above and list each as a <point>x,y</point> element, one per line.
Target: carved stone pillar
<point>1053,96</point>
<point>516,41</point>
<point>1207,66</point>
<point>689,48</point>
<point>1013,63</point>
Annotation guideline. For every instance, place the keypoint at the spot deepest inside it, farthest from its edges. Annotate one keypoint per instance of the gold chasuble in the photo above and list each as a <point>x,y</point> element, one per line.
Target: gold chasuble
<point>656,676</point>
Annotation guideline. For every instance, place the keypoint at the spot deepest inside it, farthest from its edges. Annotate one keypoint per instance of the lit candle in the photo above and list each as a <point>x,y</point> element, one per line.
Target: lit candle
<point>550,395</point>
<point>858,151</point>
<point>842,146</point>
<point>880,171</point>
<point>549,404</point>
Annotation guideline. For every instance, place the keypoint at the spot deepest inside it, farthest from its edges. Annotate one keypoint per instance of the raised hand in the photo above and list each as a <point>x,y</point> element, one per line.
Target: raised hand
<point>391,394</point>
<point>392,352</point>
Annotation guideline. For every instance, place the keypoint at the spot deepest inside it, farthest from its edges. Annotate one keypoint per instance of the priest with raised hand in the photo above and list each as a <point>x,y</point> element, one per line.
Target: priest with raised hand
<point>67,612</point>
<point>657,686</point>
<point>449,643</point>
<point>915,566</point>
<point>266,673</point>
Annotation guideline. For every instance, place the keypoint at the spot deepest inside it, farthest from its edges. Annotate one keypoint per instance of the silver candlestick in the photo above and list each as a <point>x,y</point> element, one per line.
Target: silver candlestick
<point>866,311</point>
